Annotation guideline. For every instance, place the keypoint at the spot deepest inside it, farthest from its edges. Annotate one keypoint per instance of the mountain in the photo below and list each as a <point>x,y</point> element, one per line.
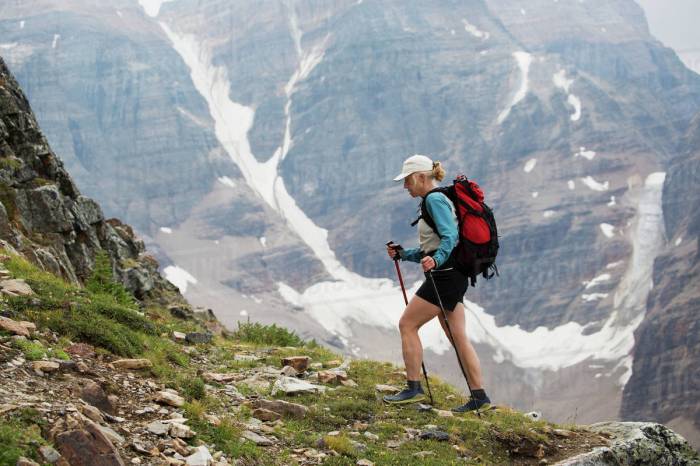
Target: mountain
<point>253,144</point>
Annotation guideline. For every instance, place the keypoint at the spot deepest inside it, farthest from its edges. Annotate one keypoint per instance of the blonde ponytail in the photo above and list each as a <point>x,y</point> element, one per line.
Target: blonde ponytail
<point>438,172</point>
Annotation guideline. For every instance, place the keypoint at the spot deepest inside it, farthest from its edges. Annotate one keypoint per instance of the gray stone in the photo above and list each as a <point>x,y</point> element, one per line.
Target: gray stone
<point>292,386</point>
<point>158,428</point>
<point>257,439</point>
<point>49,455</point>
<point>434,435</point>
<point>634,443</point>
<point>201,457</point>
<point>199,337</point>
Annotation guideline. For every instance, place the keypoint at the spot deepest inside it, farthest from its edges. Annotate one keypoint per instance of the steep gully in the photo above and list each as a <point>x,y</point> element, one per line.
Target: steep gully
<point>334,304</point>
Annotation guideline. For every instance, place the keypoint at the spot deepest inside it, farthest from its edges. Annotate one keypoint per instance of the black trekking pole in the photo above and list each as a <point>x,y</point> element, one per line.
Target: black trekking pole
<point>452,340</point>
<point>405,299</point>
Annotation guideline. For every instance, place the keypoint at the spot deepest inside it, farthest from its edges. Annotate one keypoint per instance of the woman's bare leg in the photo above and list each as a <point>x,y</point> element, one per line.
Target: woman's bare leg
<point>418,312</point>
<point>467,354</point>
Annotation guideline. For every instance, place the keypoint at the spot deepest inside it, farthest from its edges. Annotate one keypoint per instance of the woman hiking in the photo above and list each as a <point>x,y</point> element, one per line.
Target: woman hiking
<point>420,176</point>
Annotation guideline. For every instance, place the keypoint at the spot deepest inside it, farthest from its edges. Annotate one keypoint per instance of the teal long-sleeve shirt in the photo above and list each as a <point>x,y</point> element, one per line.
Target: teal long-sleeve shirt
<point>441,241</point>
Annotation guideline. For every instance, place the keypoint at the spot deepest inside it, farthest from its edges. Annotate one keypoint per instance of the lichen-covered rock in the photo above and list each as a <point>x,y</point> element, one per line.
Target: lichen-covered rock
<point>637,443</point>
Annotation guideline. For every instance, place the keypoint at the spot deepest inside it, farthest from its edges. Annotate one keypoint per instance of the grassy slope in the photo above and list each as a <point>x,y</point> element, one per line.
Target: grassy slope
<point>103,315</point>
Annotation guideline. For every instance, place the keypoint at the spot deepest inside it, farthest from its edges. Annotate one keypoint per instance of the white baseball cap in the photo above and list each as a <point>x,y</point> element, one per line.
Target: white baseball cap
<point>413,164</point>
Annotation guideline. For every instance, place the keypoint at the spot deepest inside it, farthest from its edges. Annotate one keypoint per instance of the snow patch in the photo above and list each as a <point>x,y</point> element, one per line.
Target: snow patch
<point>576,103</point>
<point>678,241</point>
<point>263,241</point>
<point>166,230</point>
<point>152,7</point>
<point>8,46</point>
<point>593,296</point>
<point>562,82</point>
<point>524,60</point>
<point>548,213</point>
<point>119,13</point>
<point>474,31</point>
<point>594,185</point>
<point>21,24</point>
<point>523,12</point>
<point>612,202</point>
<point>530,165</point>
<point>55,40</point>
<point>613,265</point>
<point>586,154</point>
<point>179,277</point>
<point>571,184</point>
<point>607,229</point>
<point>225,180</point>
<point>535,194</point>
<point>598,280</point>
<point>243,313</point>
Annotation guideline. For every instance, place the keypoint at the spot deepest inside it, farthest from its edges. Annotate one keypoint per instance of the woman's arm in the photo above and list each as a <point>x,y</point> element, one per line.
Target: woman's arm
<point>441,210</point>
<point>411,254</point>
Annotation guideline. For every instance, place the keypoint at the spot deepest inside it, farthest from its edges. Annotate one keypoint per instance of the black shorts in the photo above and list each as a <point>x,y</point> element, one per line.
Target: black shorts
<point>451,285</point>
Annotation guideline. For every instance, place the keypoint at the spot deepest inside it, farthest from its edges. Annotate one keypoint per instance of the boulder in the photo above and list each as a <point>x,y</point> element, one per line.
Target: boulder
<point>49,455</point>
<point>283,408</point>
<point>93,394</point>
<point>88,447</point>
<point>169,398</point>
<point>636,443</point>
<point>158,428</point>
<point>289,371</point>
<point>257,439</point>
<point>199,337</point>
<point>132,364</point>
<point>14,327</point>
<point>201,457</point>
<point>292,386</point>
<point>299,363</point>
<point>45,367</point>
<point>178,430</point>
<point>16,287</point>
<point>266,415</point>
<point>92,413</point>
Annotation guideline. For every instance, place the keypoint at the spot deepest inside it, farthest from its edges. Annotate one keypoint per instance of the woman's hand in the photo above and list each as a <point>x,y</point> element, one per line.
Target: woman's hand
<point>428,263</point>
<point>393,250</point>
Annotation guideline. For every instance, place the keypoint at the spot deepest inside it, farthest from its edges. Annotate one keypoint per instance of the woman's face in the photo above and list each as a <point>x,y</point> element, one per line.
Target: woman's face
<point>413,183</point>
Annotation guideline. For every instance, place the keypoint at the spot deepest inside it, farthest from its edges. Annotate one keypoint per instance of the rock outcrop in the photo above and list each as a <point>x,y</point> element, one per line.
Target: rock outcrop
<point>44,216</point>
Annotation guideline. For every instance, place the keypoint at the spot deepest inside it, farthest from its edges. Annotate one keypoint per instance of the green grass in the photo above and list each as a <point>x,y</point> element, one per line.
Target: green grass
<point>32,351</point>
<point>260,334</point>
<point>20,435</point>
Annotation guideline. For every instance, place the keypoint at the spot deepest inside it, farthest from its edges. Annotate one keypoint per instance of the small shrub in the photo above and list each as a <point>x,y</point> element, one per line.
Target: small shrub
<point>192,388</point>
<point>32,351</point>
<point>257,333</point>
<point>102,281</point>
<point>85,325</point>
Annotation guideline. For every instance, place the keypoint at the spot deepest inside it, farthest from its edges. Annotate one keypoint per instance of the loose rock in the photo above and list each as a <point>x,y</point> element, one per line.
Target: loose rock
<point>13,327</point>
<point>292,386</point>
<point>300,363</point>
<point>257,439</point>
<point>169,398</point>
<point>132,364</point>
<point>201,457</point>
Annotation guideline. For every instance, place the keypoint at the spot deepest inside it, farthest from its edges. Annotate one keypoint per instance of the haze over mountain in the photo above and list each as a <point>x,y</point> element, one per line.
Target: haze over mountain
<point>253,145</point>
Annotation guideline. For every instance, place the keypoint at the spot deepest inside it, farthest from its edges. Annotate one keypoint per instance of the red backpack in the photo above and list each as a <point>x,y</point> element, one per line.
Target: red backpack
<point>476,250</point>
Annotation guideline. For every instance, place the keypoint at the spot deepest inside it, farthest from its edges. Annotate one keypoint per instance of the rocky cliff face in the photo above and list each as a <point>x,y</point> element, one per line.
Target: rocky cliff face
<point>294,116</point>
<point>665,384</point>
<point>44,216</point>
